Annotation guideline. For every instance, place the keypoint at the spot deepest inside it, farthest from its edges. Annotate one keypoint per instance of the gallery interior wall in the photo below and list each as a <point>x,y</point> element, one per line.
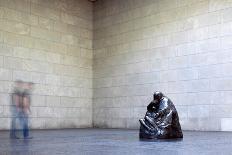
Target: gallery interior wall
<point>48,42</point>
<point>180,47</point>
<point>98,64</point>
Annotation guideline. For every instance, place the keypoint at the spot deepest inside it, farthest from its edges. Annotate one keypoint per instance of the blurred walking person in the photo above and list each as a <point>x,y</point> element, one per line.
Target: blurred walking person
<point>16,102</point>
<point>24,116</point>
<point>21,108</point>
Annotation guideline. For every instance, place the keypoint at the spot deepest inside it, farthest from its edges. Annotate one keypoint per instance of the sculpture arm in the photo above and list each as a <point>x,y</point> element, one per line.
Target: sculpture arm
<point>167,120</point>
<point>163,110</point>
<point>151,106</point>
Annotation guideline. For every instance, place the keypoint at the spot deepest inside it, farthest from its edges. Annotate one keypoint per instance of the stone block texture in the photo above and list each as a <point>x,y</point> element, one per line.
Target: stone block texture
<point>48,42</point>
<point>98,64</point>
<point>180,47</point>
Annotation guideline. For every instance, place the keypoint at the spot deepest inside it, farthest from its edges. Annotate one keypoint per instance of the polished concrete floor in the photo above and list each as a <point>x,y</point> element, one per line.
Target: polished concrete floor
<point>113,141</point>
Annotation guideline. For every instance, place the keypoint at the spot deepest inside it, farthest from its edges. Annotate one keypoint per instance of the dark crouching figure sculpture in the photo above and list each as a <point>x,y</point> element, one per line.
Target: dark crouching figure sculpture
<point>161,120</point>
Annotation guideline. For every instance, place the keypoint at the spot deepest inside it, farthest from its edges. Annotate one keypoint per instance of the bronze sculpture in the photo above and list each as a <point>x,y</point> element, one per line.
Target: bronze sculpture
<point>161,120</point>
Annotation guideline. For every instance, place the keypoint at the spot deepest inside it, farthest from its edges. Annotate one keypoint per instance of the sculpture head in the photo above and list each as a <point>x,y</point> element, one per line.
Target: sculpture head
<point>158,96</point>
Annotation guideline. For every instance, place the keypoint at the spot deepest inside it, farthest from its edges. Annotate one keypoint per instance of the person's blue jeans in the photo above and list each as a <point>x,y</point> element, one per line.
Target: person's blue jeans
<point>15,116</point>
<point>13,127</point>
<point>24,123</point>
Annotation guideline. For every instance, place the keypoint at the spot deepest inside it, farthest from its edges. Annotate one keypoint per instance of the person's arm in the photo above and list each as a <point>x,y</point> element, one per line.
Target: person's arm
<point>16,101</point>
<point>26,104</point>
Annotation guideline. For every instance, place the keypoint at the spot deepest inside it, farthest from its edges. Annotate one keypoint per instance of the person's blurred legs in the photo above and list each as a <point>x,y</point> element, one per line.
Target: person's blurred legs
<point>13,127</point>
<point>25,127</point>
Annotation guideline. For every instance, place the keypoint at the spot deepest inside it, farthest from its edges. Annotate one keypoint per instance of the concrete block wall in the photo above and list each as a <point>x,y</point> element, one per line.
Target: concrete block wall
<point>180,47</point>
<point>48,42</point>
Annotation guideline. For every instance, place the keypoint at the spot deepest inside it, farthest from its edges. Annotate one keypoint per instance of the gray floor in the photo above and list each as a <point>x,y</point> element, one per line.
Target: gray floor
<point>113,141</point>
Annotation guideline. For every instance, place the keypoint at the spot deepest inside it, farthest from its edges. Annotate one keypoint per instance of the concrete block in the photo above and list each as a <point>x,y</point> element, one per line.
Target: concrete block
<point>70,40</point>
<point>221,84</point>
<point>117,123</point>
<point>198,8</point>
<point>5,123</point>
<point>40,89</point>
<point>66,70</point>
<point>53,57</point>
<point>22,5</point>
<point>46,23</point>
<point>60,26</point>
<point>86,92</point>
<point>45,34</point>
<point>53,101</point>
<point>70,19</point>
<point>220,70</point>
<point>86,72</point>
<point>15,27</point>
<point>45,12</point>
<point>226,29</point>
<point>5,74</point>
<point>226,124</point>
<point>85,33</point>
<point>69,92</point>
<point>222,94</point>
<point>38,123</point>
<point>166,5</point>
<point>139,112</point>
<point>1,37</point>
<point>214,124</point>
<point>2,112</point>
<point>73,50</point>
<point>102,82</point>
<point>177,87</point>
<point>226,42</point>
<point>42,44</point>
<point>199,111</point>
<point>198,85</point>
<point>21,17</point>
<point>226,15</point>
<point>70,102</point>
<point>215,5</point>
<point>182,111</point>
<point>21,52</point>
<point>18,40</point>
<point>197,34</point>
<point>22,75</point>
<point>5,49</point>
<point>207,19</point>
<point>37,77</point>
<point>13,63</point>
<point>6,87</point>
<point>86,53</point>
<point>220,111</point>
<point>70,60</point>
<point>85,43</point>
<point>58,48</point>
<point>70,81</point>
<point>38,101</point>
<point>158,64</point>
<point>36,66</point>
<point>5,99</point>
<point>52,80</point>
<point>119,102</point>
<point>86,63</point>
<point>2,12</point>
<point>178,62</point>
